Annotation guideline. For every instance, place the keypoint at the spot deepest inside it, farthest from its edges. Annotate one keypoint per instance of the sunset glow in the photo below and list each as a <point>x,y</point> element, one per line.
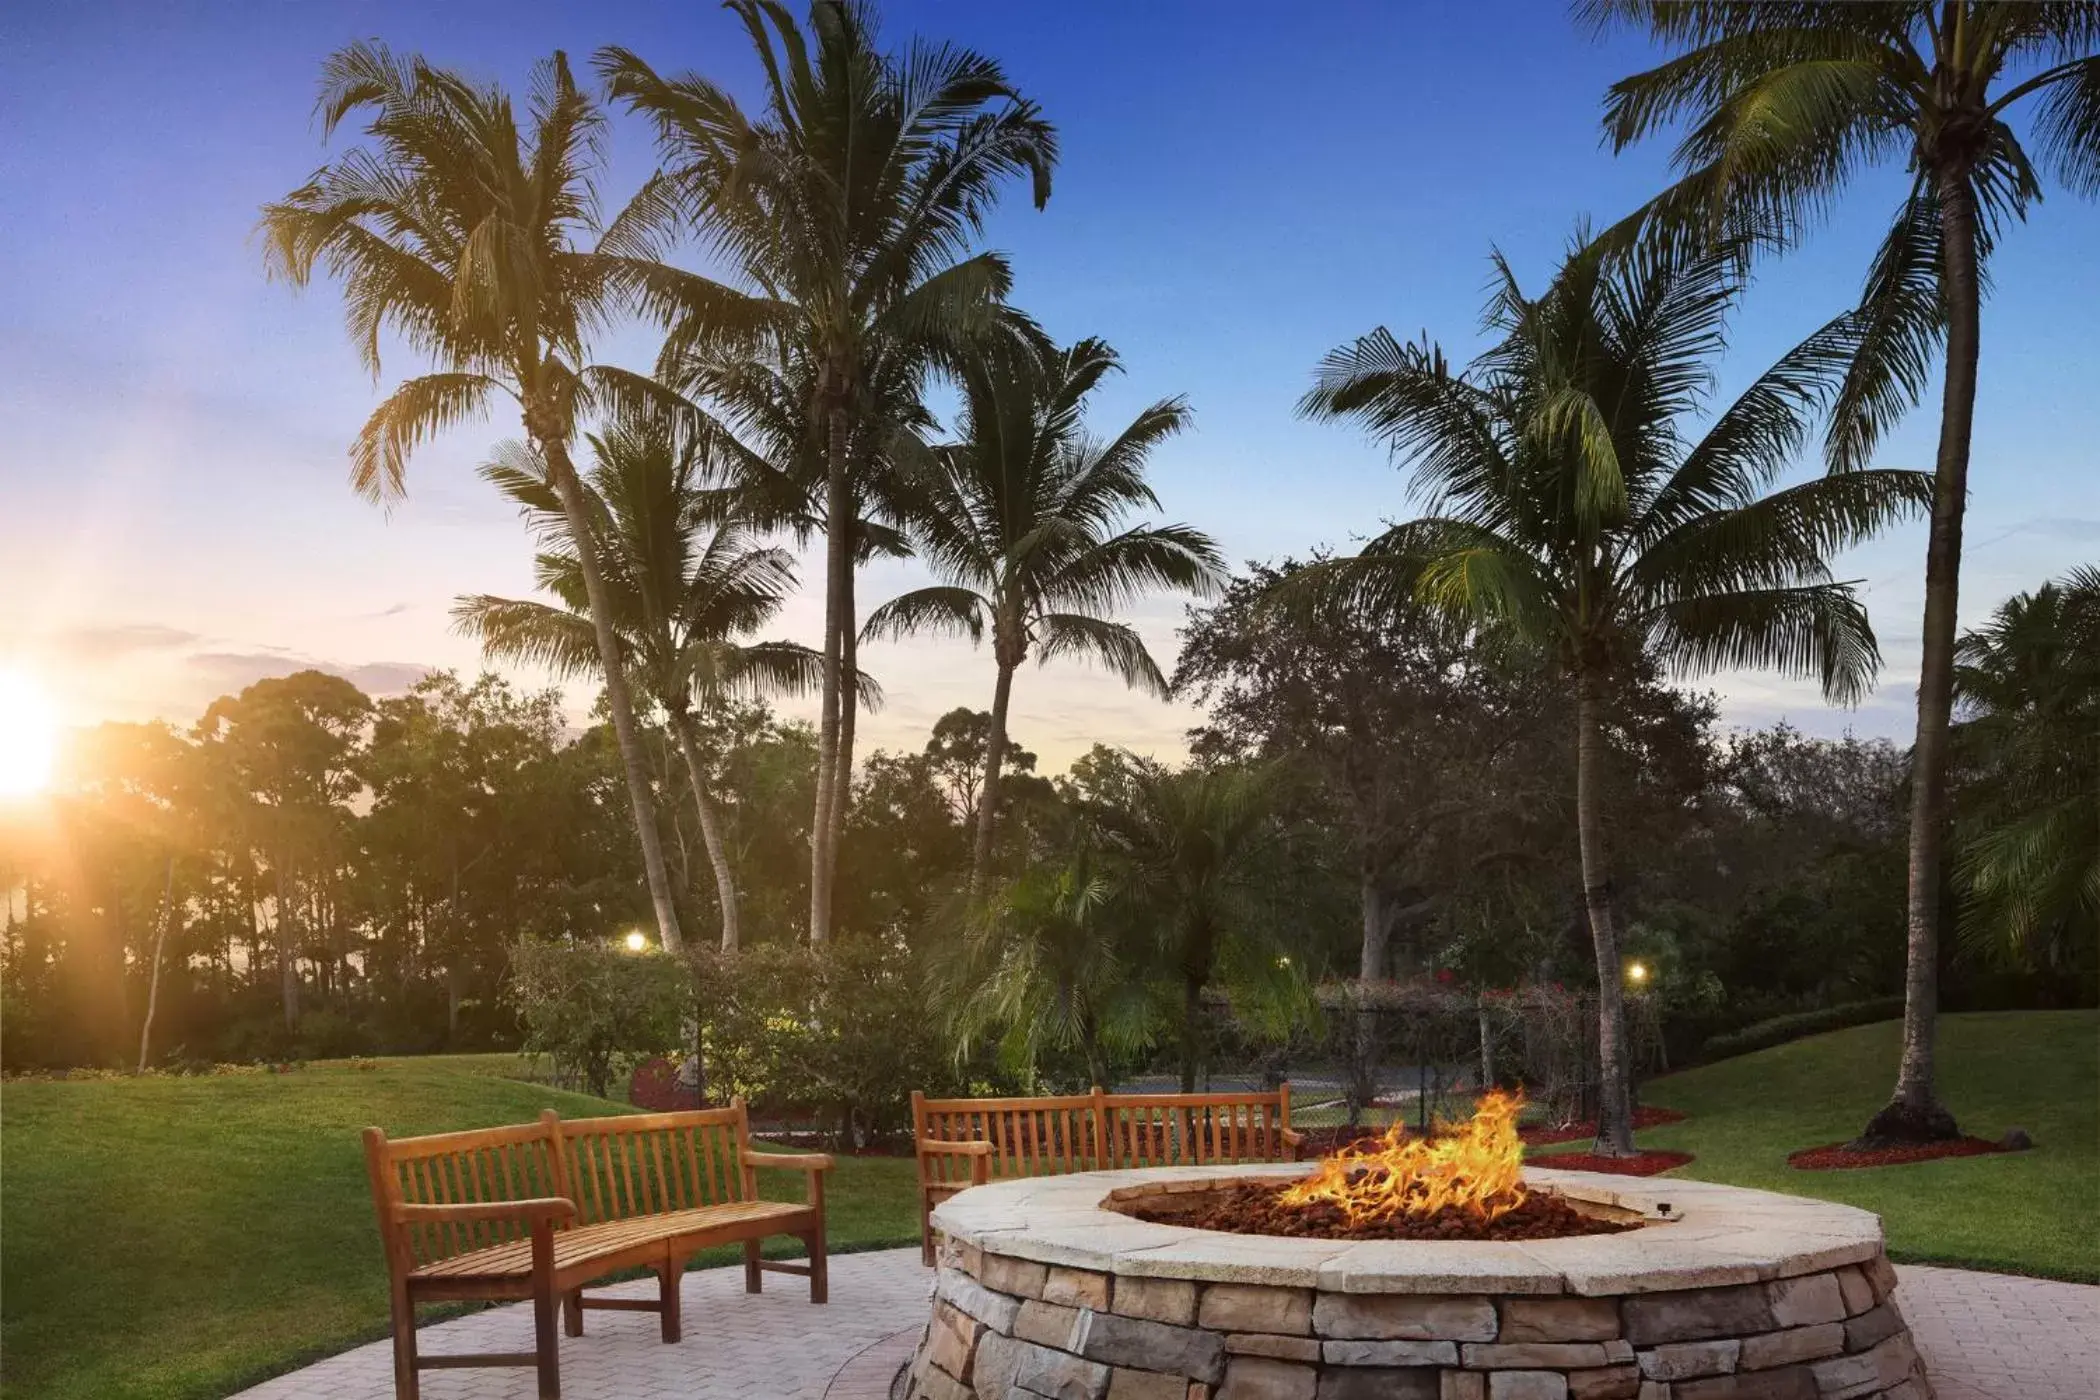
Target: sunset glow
<point>28,734</point>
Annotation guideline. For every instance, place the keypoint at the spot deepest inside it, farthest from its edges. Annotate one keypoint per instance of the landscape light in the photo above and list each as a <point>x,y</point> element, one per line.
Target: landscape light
<point>1637,972</point>
<point>636,941</point>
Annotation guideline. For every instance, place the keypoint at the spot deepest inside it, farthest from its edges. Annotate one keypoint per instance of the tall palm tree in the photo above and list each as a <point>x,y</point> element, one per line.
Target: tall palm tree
<point>464,233</point>
<point>1191,852</point>
<point>1019,519</point>
<point>845,216</point>
<point>1570,512</point>
<point>681,591</point>
<point>2028,746</point>
<point>1788,104</point>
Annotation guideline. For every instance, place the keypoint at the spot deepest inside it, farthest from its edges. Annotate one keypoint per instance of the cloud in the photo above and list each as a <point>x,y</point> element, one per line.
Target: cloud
<point>112,643</point>
<point>225,672</point>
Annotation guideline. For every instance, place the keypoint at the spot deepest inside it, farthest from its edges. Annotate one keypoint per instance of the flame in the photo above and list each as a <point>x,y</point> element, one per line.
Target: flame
<point>1475,1166</point>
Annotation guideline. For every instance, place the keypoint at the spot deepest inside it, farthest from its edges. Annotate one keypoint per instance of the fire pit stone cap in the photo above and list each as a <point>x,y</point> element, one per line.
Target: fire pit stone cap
<point>1713,1235</point>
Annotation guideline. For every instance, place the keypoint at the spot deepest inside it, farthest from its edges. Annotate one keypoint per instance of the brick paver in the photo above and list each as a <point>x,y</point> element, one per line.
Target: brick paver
<point>1984,1337</point>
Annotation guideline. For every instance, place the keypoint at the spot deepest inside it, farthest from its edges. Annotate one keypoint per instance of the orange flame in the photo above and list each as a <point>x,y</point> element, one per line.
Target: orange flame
<point>1475,1166</point>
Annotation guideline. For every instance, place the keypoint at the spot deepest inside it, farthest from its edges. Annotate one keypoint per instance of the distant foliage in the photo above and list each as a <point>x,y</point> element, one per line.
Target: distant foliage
<point>596,1009</point>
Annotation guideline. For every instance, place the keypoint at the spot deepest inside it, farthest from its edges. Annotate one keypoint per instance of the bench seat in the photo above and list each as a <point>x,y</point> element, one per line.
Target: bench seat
<point>619,1244</point>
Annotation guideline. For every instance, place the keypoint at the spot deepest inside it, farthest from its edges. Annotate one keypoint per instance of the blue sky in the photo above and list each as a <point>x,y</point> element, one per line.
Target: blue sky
<point>1243,187</point>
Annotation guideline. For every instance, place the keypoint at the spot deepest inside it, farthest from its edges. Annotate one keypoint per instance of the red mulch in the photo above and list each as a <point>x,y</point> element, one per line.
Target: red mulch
<point>1645,1164</point>
<point>1258,1209</point>
<point>1319,1142</point>
<point>1839,1157</point>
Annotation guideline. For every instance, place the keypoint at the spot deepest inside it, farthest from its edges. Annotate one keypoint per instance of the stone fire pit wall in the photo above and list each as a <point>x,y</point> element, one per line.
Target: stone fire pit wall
<point>1728,1295</point>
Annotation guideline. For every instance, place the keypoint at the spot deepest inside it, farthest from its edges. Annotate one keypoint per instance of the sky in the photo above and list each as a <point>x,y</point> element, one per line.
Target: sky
<point>1243,187</point>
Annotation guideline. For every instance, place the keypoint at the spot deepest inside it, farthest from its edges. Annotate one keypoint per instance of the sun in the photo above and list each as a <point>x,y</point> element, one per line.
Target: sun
<point>28,735</point>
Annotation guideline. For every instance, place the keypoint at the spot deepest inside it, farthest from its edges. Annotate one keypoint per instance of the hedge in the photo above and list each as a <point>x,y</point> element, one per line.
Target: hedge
<point>1762,1035</point>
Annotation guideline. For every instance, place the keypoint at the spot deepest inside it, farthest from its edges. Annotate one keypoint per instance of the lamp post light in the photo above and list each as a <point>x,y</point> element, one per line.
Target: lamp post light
<point>637,941</point>
<point>1637,973</point>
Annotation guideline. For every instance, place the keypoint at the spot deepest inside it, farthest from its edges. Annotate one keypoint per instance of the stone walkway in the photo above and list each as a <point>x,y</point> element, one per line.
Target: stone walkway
<point>1984,1337</point>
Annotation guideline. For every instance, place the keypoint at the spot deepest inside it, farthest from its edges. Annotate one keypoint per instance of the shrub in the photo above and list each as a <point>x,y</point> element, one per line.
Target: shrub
<point>596,1009</point>
<point>1762,1035</point>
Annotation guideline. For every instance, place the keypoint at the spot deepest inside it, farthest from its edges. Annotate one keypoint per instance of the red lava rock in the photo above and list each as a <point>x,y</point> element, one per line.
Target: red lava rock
<point>1838,1157</point>
<point>1258,1209</point>
<point>1645,1164</point>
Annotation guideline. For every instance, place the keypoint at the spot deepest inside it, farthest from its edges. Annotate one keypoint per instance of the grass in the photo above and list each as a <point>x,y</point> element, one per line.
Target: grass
<point>2035,1212</point>
<point>177,1239</point>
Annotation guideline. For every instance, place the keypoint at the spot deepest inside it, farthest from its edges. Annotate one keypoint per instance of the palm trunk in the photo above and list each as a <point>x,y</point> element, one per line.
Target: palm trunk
<point>617,701</point>
<point>710,830</point>
<point>160,937</point>
<point>838,564</point>
<point>1373,965</point>
<point>988,792</point>
<point>1191,1021</point>
<point>287,961</point>
<point>1914,1113</point>
<point>1614,1087</point>
<point>849,712</point>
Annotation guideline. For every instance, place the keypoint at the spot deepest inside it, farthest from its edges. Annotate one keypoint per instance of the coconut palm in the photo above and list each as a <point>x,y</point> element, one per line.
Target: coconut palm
<point>1788,104</point>
<point>1020,522</point>
<point>845,216</point>
<point>1570,513</point>
<point>681,591</point>
<point>464,233</point>
<point>2028,684</point>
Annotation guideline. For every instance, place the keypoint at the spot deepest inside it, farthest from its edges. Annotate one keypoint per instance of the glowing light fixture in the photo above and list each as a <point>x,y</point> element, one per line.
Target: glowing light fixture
<point>28,734</point>
<point>636,941</point>
<point>1637,973</point>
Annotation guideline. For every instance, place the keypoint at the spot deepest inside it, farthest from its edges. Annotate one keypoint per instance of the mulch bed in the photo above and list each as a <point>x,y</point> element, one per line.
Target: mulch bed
<point>1645,1164</point>
<point>1839,1156</point>
<point>1320,1142</point>
<point>1260,1210</point>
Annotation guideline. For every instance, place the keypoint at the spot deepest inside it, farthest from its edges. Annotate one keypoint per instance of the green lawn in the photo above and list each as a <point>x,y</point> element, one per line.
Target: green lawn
<point>175,1239</point>
<point>180,1238</point>
<point>2034,1212</point>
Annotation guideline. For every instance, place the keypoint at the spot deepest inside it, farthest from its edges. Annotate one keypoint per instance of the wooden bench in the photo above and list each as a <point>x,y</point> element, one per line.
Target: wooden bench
<point>967,1142</point>
<point>541,1209</point>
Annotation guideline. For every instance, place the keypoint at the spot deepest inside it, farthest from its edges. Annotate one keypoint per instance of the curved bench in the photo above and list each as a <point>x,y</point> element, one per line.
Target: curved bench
<point>539,1210</point>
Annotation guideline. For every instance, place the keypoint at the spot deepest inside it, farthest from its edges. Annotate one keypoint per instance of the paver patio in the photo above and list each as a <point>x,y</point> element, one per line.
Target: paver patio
<point>1984,1337</point>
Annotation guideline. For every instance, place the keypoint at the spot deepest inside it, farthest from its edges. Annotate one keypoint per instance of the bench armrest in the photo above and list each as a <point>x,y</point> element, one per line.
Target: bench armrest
<point>798,1161</point>
<point>537,1208</point>
<point>1293,1136</point>
<point>955,1149</point>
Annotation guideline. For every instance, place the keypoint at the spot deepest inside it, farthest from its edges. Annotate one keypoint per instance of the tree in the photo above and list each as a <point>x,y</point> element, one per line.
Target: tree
<point>2028,859</point>
<point>681,593</point>
<point>1788,105</point>
<point>1019,520</point>
<point>1191,861</point>
<point>1570,514</point>
<point>846,214</point>
<point>459,231</point>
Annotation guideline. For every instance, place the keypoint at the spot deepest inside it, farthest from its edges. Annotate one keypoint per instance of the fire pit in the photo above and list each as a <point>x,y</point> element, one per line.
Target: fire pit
<point>1098,1286</point>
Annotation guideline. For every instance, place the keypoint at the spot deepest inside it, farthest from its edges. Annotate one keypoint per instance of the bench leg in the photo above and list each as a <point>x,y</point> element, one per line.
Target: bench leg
<point>668,1277</point>
<point>819,1267</point>
<point>406,1386</point>
<point>546,1345</point>
<point>572,1312</point>
<point>752,1282</point>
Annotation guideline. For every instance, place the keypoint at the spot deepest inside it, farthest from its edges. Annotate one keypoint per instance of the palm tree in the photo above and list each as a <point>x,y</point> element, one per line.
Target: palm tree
<point>1570,514</point>
<point>463,234</point>
<point>845,217</point>
<point>1019,520</point>
<point>680,589</point>
<point>1192,849</point>
<point>1789,103</point>
<point>2028,683</point>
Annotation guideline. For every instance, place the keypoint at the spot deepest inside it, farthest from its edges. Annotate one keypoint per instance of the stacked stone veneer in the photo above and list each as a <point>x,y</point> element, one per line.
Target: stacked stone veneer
<point>1006,1327</point>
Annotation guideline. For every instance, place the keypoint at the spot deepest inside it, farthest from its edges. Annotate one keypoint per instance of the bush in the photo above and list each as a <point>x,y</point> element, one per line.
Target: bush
<point>1763,1035</point>
<point>596,1009</point>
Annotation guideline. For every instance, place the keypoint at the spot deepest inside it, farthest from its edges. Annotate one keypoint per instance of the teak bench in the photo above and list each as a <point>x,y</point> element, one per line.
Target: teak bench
<point>538,1210</point>
<point>967,1142</point>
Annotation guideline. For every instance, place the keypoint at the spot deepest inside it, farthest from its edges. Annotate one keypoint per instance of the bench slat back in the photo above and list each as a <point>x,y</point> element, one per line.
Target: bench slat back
<point>649,1163</point>
<point>466,1168</point>
<point>1051,1136</point>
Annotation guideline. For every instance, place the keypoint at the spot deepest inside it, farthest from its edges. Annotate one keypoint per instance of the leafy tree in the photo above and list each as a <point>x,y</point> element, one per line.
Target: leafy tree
<point>2028,682</point>
<point>845,215</point>
<point>680,591</point>
<point>461,231</point>
<point>1022,522</point>
<point>1571,513</point>
<point>1789,104</point>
